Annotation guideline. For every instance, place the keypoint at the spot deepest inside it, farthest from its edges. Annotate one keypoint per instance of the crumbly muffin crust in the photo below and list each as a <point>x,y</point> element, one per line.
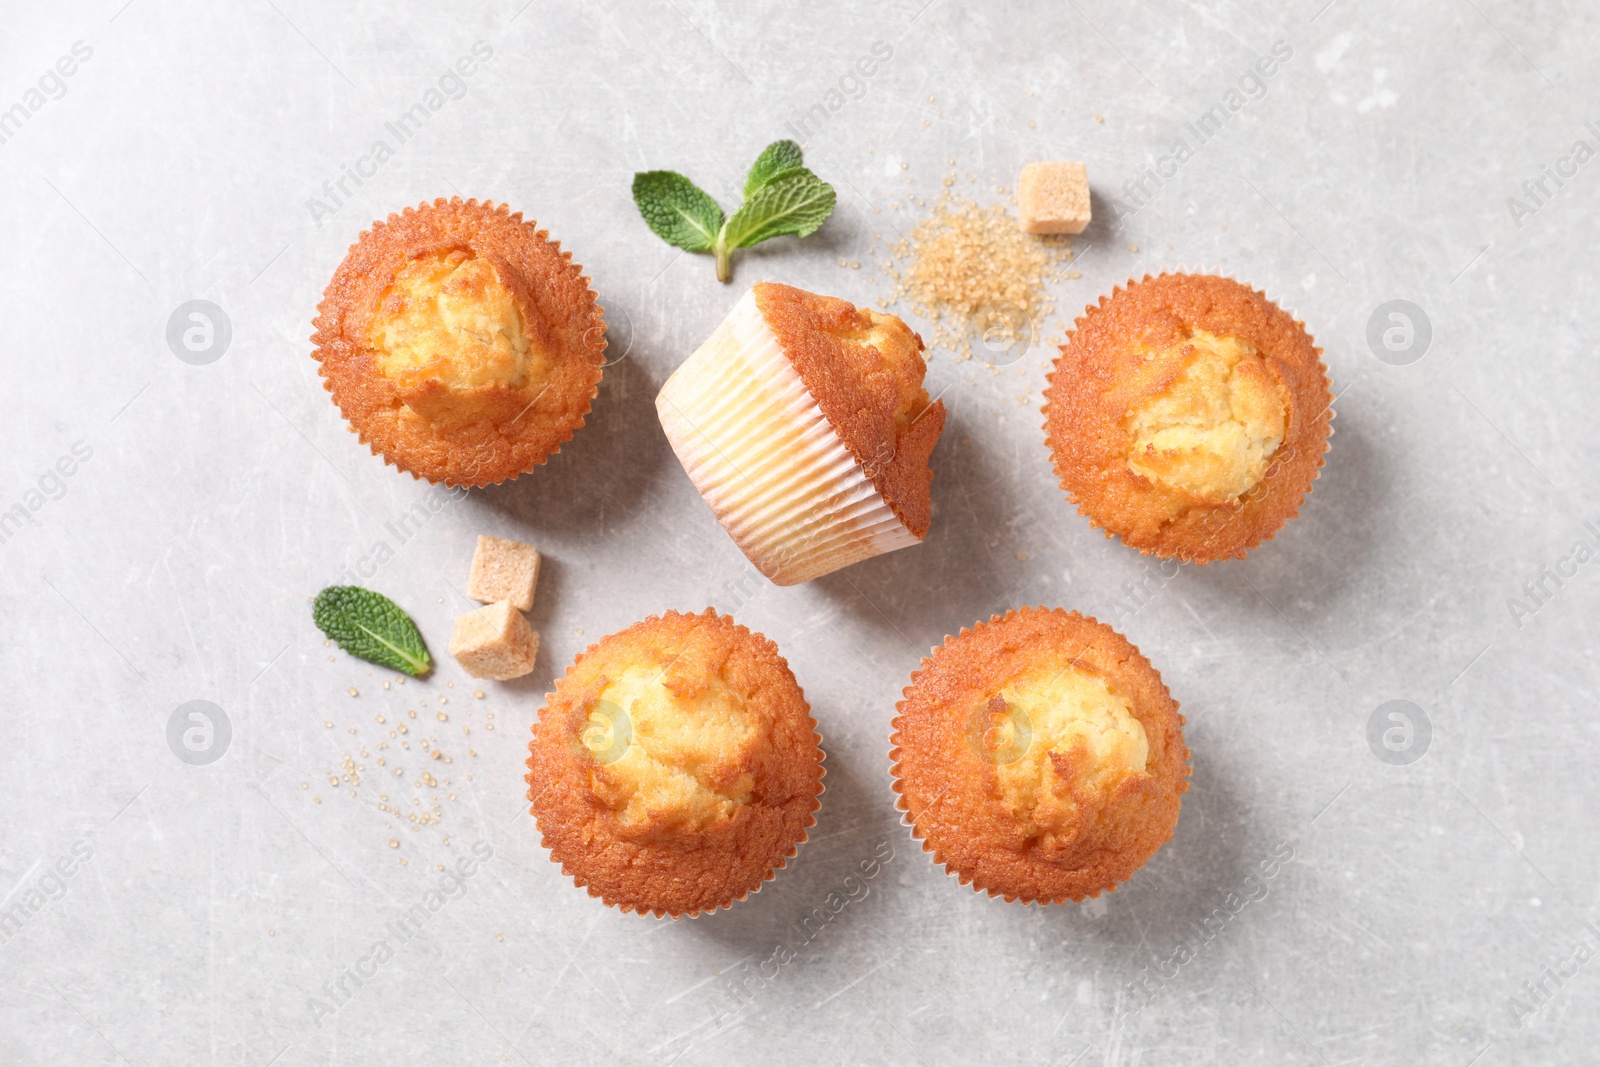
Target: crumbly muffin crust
<point>676,767</point>
<point>471,417</point>
<point>1188,415</point>
<point>1106,794</point>
<point>865,371</point>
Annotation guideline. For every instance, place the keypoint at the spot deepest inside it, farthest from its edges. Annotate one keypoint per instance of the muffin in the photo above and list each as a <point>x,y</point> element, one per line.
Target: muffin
<point>804,424</point>
<point>676,766</point>
<point>1039,757</point>
<point>460,342</point>
<point>1188,415</point>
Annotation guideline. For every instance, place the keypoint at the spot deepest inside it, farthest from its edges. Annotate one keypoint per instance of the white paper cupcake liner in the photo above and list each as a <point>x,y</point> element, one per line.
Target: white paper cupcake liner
<point>759,449</point>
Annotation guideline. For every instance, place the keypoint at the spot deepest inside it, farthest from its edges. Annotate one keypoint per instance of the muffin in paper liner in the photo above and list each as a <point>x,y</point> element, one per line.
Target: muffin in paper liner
<point>1189,415</point>
<point>803,423</point>
<point>676,767</point>
<point>1039,757</point>
<point>461,344</point>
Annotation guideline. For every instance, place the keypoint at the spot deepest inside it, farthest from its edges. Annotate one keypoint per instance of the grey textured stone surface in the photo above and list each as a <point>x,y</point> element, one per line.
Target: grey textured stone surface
<point>209,903</point>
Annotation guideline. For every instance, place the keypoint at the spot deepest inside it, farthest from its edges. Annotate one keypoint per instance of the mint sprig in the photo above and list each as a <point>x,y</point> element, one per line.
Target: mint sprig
<point>372,627</point>
<point>781,196</point>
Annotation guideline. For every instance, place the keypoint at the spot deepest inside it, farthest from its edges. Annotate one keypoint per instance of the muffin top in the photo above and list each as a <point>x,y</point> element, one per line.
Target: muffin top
<point>447,316</point>
<point>865,371</point>
<point>1039,756</point>
<point>676,766</point>
<point>461,343</point>
<point>1188,415</point>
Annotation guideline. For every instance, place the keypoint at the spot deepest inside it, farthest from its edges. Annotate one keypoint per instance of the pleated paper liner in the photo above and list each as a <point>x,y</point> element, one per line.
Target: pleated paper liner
<point>773,469</point>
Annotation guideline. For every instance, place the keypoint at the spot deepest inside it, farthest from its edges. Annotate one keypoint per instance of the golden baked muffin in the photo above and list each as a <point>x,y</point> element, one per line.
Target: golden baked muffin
<point>676,766</point>
<point>804,423</point>
<point>461,343</point>
<point>1188,415</point>
<point>1039,757</point>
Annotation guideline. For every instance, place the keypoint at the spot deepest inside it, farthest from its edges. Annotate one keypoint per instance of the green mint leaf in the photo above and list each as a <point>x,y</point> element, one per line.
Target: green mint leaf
<point>372,627</point>
<point>795,203</point>
<point>678,210</point>
<point>777,159</point>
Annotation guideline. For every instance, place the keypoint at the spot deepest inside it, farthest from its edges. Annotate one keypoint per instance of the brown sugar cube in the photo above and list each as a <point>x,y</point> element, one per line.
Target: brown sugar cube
<point>504,570</point>
<point>1053,198</point>
<point>494,642</point>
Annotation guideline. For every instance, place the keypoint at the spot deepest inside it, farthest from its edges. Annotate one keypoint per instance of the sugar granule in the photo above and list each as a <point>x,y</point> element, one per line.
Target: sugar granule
<point>968,269</point>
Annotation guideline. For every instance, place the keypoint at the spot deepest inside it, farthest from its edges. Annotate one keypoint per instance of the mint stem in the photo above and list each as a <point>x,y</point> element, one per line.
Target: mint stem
<point>724,256</point>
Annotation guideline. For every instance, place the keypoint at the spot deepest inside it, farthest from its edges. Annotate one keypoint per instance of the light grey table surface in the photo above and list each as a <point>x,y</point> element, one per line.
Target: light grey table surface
<point>155,910</point>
